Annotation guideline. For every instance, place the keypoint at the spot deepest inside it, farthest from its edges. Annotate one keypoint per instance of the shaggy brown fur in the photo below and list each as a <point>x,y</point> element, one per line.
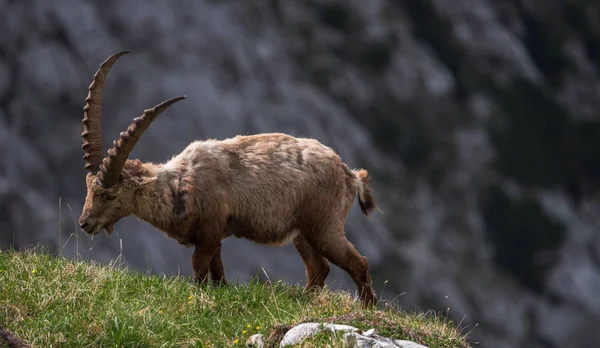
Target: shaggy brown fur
<point>269,188</point>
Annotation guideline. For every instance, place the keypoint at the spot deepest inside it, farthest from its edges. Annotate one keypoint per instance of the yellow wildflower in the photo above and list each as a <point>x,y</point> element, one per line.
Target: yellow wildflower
<point>160,311</point>
<point>34,271</point>
<point>191,297</point>
<point>249,326</point>
<point>244,332</point>
<point>258,328</point>
<point>236,341</point>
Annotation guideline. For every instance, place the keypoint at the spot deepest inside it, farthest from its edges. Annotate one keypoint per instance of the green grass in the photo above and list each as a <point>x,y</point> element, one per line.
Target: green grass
<point>49,300</point>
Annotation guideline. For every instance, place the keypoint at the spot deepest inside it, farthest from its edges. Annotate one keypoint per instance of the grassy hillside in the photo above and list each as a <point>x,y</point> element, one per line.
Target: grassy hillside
<point>48,300</point>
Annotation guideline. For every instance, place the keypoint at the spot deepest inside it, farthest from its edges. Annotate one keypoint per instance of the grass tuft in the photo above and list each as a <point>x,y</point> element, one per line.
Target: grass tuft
<point>49,300</point>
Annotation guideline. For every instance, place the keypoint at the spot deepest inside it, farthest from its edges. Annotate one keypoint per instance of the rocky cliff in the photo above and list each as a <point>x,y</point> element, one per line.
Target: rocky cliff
<point>477,119</point>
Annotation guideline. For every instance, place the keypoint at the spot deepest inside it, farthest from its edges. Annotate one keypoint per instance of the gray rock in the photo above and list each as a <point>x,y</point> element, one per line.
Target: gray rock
<point>408,344</point>
<point>352,336</point>
<point>375,341</point>
<point>300,332</point>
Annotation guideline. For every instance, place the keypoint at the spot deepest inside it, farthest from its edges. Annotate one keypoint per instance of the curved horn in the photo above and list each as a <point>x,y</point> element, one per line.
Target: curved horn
<point>111,166</point>
<point>92,116</point>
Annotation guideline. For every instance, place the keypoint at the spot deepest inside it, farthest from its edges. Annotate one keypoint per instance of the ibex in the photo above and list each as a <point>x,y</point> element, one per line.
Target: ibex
<point>269,188</point>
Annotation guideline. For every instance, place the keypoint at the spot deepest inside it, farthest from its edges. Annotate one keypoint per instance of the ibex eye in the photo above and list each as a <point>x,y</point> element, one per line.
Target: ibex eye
<point>110,197</point>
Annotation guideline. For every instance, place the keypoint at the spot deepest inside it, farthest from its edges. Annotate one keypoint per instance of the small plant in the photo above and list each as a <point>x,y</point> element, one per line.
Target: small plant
<point>118,331</point>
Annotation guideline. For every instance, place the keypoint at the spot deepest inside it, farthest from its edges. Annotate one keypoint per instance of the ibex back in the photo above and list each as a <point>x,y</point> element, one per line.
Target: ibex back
<point>269,188</point>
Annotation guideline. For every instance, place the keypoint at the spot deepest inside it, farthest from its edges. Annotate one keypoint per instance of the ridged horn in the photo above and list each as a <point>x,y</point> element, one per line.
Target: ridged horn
<point>111,166</point>
<point>92,117</point>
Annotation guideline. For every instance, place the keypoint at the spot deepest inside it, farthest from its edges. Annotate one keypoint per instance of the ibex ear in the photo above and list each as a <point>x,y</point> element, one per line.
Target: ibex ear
<point>144,180</point>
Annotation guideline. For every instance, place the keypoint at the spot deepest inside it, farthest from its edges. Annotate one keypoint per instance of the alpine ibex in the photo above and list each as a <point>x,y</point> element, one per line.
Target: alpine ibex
<point>269,188</point>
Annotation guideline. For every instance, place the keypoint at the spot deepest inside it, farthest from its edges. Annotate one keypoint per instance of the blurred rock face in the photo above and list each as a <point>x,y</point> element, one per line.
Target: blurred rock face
<point>478,121</point>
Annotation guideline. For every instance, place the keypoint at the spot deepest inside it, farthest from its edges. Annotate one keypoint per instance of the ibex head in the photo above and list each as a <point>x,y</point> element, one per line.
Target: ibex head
<point>112,180</point>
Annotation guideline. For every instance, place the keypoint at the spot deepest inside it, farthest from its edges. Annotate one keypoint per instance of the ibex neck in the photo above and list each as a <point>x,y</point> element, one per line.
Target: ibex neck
<point>154,202</point>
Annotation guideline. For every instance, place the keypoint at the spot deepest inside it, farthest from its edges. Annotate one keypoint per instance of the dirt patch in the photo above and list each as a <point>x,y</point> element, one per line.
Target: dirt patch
<point>9,340</point>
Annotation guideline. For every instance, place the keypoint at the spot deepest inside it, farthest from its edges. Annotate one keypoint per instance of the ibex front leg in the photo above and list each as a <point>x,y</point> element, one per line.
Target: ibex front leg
<point>207,254</point>
<point>200,263</point>
<point>201,259</point>
<point>217,273</point>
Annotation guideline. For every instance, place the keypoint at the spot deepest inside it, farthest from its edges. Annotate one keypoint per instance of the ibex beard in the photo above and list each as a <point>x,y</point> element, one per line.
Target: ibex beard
<point>269,188</point>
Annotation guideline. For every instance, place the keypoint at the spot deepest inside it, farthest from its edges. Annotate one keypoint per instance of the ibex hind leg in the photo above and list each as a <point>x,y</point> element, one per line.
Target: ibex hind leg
<point>317,267</point>
<point>336,248</point>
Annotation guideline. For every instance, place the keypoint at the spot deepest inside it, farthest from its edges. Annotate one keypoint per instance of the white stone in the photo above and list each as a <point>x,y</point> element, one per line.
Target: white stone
<point>353,337</point>
<point>255,341</point>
